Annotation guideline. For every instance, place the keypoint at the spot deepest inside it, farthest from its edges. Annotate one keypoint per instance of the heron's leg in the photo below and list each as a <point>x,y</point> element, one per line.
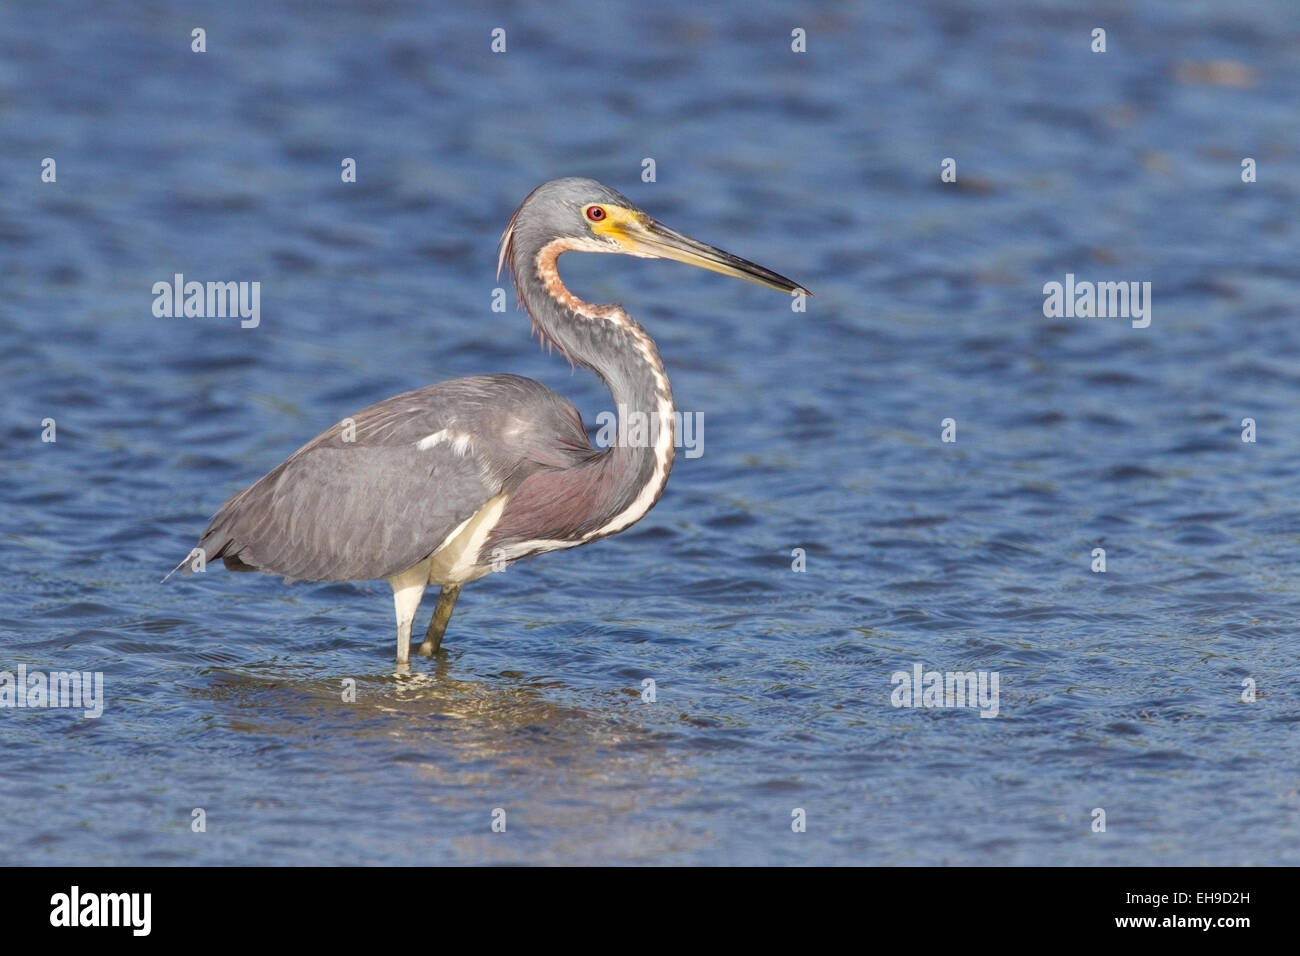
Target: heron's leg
<point>441,615</point>
<point>408,587</point>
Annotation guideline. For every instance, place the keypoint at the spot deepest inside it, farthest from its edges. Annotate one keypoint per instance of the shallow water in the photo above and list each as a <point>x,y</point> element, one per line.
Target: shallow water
<point>1119,691</point>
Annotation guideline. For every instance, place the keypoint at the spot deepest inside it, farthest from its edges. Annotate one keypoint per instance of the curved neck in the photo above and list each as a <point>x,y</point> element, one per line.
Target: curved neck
<point>602,338</point>
<point>632,471</point>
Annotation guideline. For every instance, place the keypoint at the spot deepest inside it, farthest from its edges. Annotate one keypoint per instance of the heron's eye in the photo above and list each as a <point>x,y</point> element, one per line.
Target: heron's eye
<point>595,213</point>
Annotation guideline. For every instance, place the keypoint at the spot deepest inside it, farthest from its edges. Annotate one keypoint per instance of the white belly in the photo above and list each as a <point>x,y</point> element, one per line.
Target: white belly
<point>457,559</point>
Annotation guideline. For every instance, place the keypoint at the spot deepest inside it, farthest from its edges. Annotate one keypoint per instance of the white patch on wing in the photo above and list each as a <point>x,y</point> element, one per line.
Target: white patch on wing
<point>515,430</point>
<point>460,442</point>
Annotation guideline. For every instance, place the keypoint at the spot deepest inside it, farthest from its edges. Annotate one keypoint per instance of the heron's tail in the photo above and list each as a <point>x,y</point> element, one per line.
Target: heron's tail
<point>188,558</point>
<point>184,561</point>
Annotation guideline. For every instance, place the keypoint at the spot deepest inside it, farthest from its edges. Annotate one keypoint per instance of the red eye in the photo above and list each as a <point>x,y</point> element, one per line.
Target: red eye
<point>595,213</point>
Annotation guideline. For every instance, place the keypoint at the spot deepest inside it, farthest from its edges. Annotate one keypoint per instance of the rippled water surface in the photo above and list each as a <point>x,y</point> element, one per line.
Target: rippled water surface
<point>1120,691</point>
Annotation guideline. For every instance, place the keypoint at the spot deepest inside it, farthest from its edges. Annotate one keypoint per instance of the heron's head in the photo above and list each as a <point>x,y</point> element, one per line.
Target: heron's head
<point>591,217</point>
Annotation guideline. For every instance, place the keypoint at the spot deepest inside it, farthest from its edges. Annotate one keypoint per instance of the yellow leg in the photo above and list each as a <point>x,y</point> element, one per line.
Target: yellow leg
<point>441,615</point>
<point>408,587</point>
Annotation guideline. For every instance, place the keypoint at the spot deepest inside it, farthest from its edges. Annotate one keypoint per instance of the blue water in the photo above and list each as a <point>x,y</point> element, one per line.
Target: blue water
<point>1120,691</point>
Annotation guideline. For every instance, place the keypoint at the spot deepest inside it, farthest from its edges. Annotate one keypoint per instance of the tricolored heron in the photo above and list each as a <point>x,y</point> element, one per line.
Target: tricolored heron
<point>444,483</point>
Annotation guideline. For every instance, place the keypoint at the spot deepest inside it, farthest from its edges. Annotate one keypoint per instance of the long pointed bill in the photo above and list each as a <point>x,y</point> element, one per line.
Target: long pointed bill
<point>653,239</point>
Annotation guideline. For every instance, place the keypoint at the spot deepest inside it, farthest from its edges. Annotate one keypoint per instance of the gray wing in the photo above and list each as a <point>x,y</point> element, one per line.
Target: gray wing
<point>382,490</point>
